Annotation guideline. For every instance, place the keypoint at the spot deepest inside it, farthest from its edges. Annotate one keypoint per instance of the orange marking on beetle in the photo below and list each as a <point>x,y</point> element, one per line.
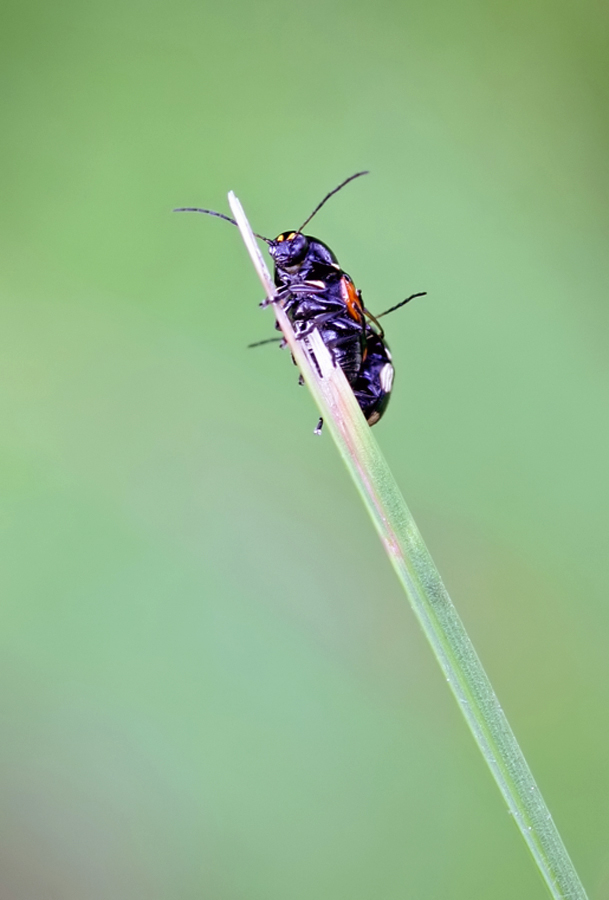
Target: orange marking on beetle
<point>352,301</point>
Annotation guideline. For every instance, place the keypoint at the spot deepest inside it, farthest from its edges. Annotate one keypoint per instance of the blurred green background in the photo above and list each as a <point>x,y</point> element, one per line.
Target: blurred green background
<point>212,686</point>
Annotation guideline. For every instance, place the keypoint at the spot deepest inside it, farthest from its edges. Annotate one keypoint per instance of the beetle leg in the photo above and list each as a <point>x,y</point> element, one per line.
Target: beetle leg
<point>306,289</point>
<point>314,323</point>
<point>268,301</point>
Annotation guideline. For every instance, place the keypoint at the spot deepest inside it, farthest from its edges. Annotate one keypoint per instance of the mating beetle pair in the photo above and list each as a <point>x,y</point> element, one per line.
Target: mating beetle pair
<point>317,294</point>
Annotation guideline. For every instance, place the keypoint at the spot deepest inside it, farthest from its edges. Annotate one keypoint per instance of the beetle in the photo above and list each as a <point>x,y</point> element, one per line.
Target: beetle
<point>317,294</point>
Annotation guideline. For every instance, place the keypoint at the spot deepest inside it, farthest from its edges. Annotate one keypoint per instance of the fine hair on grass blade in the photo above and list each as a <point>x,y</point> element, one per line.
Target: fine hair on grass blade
<point>425,591</point>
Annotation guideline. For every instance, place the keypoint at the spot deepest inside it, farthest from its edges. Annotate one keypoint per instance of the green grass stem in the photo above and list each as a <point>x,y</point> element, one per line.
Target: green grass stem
<point>427,595</point>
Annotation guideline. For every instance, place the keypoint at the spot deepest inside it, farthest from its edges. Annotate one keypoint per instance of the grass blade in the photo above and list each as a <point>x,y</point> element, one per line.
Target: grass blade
<point>426,593</point>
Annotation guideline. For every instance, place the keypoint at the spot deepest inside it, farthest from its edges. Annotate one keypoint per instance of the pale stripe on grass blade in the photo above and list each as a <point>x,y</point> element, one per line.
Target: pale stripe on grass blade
<point>426,592</point>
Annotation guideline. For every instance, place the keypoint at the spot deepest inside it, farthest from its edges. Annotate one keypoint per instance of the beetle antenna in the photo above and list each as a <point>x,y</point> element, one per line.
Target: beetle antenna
<point>211,212</point>
<point>368,314</point>
<point>403,303</point>
<point>331,194</point>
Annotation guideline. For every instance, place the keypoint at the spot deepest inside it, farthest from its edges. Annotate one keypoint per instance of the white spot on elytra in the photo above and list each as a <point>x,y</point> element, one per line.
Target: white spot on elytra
<point>386,377</point>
